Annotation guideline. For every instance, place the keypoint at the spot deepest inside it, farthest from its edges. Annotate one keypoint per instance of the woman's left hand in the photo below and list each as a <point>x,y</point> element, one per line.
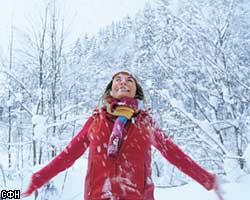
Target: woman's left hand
<point>219,191</point>
<point>219,195</point>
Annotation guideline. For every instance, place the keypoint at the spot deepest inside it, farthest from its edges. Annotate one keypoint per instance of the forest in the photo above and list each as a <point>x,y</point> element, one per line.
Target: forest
<point>191,57</point>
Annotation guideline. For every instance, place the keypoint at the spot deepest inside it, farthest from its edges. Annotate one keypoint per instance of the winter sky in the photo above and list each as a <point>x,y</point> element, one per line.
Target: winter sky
<point>82,15</point>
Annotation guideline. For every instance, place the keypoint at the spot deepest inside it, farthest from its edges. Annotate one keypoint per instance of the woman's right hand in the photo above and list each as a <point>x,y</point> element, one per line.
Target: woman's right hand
<point>29,191</point>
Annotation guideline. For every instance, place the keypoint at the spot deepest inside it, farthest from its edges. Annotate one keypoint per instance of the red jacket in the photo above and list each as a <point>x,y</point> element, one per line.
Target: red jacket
<point>129,175</point>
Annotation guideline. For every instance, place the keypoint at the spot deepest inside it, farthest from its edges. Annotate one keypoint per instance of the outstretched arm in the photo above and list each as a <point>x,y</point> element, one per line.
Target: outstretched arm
<point>64,160</point>
<point>181,160</point>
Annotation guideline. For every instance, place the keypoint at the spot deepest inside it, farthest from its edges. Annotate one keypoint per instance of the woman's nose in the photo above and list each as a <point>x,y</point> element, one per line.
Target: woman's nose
<point>123,81</point>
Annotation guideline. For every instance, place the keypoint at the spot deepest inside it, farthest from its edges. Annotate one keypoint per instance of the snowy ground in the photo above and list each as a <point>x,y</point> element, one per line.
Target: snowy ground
<point>73,188</point>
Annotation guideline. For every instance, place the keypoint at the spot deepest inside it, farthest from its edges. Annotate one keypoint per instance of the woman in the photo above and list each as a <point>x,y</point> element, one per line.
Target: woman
<point>119,137</point>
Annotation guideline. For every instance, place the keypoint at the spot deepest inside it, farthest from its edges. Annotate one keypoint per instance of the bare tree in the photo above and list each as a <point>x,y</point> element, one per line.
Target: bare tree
<point>9,99</point>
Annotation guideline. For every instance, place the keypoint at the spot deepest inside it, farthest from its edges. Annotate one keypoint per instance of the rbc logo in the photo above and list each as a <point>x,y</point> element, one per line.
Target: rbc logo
<point>10,194</point>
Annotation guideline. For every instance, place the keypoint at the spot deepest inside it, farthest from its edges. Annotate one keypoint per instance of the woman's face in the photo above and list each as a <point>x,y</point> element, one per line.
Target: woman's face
<point>123,85</point>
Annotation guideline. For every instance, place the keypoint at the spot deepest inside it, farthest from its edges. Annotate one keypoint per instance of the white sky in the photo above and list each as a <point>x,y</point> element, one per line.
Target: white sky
<point>83,15</point>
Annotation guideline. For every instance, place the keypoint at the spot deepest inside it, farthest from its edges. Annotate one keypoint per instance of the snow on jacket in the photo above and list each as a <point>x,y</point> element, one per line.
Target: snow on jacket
<point>128,176</point>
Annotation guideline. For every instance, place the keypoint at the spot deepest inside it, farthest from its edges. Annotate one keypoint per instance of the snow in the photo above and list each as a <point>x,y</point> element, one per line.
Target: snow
<point>107,188</point>
<point>9,103</point>
<point>19,97</point>
<point>38,119</point>
<point>193,191</point>
<point>74,187</point>
<point>226,92</point>
<point>246,156</point>
<point>232,169</point>
<point>3,85</point>
<point>149,83</point>
<point>40,128</point>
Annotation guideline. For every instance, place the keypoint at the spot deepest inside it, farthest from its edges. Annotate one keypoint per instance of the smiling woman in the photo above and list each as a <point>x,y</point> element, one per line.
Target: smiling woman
<point>120,136</point>
<point>130,81</point>
<point>123,86</point>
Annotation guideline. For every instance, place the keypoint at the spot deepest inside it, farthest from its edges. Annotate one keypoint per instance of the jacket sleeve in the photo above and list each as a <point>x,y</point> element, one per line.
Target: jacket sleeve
<point>181,160</point>
<point>62,161</point>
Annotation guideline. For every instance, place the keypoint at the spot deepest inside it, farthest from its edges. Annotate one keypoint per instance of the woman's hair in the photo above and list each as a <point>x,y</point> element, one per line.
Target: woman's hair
<point>139,91</point>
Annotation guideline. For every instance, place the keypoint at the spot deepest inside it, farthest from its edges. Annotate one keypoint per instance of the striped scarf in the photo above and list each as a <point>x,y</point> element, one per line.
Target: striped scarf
<point>124,109</point>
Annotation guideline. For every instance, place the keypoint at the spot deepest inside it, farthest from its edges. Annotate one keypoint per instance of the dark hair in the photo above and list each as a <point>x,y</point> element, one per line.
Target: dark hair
<point>138,94</point>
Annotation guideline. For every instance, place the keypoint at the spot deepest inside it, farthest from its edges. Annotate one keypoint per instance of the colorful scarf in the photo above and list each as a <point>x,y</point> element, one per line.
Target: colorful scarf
<point>124,109</point>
